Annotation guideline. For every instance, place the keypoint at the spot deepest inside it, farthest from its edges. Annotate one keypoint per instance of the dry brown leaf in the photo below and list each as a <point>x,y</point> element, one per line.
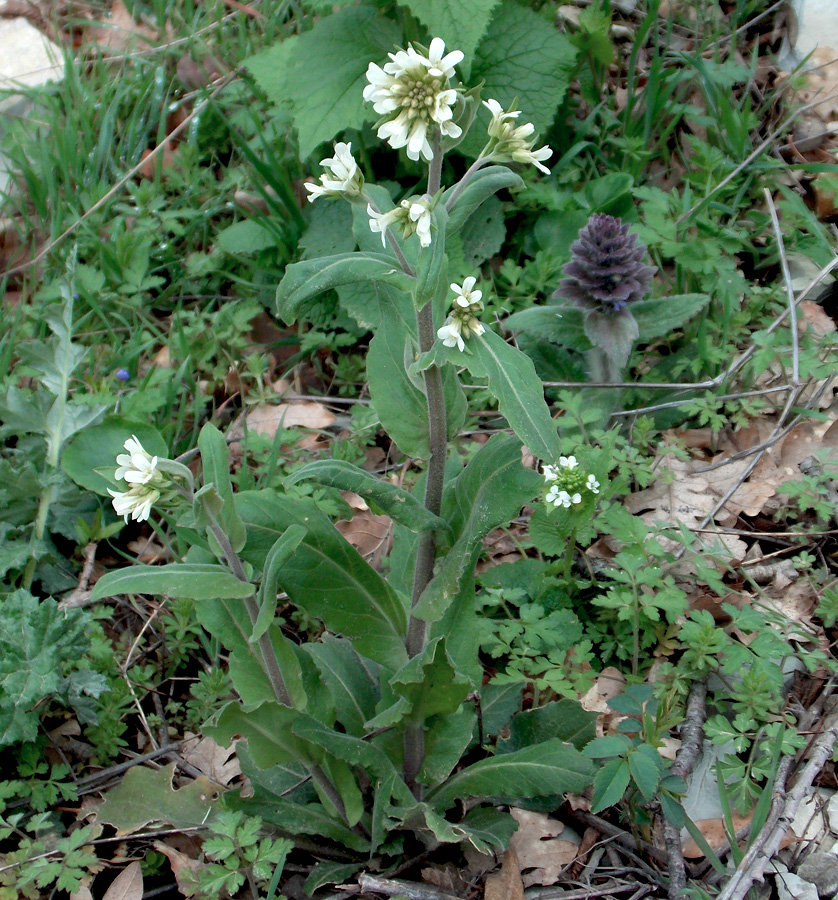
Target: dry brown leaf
<point>368,533</point>
<point>684,497</point>
<point>267,418</point>
<point>182,865</point>
<point>121,33</point>
<point>128,885</point>
<point>216,762</point>
<point>538,847</point>
<point>83,893</point>
<point>812,314</point>
<point>714,833</point>
<point>608,684</point>
<point>506,884</point>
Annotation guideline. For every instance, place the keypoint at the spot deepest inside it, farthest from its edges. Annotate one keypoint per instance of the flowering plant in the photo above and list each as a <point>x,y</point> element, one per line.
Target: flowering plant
<point>377,714</point>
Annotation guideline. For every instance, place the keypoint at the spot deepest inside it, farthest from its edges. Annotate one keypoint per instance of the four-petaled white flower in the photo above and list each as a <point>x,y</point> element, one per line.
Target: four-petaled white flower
<point>466,295</point>
<point>593,485</point>
<point>463,322</point>
<point>342,177</point>
<point>414,92</point>
<point>380,222</point>
<point>568,462</point>
<point>419,214</point>
<point>510,144</point>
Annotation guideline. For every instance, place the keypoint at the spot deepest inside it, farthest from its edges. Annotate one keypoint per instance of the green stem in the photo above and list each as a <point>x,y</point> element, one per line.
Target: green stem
<point>265,646</point>
<point>461,184</point>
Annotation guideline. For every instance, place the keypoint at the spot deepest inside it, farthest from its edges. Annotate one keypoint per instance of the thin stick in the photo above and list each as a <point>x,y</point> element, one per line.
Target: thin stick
<point>392,887</point>
<point>692,736</point>
<point>784,263</point>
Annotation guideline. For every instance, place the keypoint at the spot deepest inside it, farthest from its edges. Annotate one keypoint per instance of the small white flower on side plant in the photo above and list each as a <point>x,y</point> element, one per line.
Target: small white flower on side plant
<point>146,483</point>
<point>568,482</point>
<point>463,322</point>
<point>413,91</point>
<point>342,177</point>
<point>380,222</point>
<point>510,144</point>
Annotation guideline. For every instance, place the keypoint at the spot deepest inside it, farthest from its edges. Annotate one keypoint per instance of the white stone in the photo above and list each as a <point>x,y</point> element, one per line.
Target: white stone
<point>813,23</point>
<point>27,57</point>
<point>791,886</point>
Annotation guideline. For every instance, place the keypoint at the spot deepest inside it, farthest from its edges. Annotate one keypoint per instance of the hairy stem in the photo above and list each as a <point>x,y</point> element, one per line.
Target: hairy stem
<point>414,738</point>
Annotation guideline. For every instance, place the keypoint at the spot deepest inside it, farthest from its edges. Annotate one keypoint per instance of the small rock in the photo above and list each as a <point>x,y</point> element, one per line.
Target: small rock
<point>27,57</point>
<point>813,23</point>
<point>821,868</point>
<point>793,887</point>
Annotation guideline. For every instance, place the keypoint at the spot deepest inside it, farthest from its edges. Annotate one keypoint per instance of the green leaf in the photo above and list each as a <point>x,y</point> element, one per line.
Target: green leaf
<point>309,278</point>
<point>245,237</point>
<point>329,231</point>
<point>296,818</point>
<point>460,24</point>
<point>515,385</point>
<point>552,767</point>
<point>646,767</point>
<point>610,745</point>
<point>657,318</point>
<point>610,783</point>
<point>267,728</point>
<point>400,404</point>
<point>483,184</point>
<point>430,683</point>
<point>278,556</point>
<point>392,500</point>
<point>432,270</point>
<point>446,740</point>
<point>36,641</point>
<point>498,704</point>
<point>327,577</point>
<point>215,459</point>
<point>193,581</point>
<point>325,873</point>
<point>96,448</point>
<point>351,680</point>
<point>564,719</point>
<point>483,235</point>
<point>523,57</point>
<point>489,492</point>
<point>146,795</point>
<point>560,324</point>
<point>321,75</point>
<point>228,621</point>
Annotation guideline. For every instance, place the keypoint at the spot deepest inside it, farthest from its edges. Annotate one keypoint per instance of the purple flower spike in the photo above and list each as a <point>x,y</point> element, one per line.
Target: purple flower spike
<point>606,271</point>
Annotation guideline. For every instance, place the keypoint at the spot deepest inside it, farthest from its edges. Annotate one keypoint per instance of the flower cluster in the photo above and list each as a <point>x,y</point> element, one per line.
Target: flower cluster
<point>567,481</point>
<point>138,469</point>
<point>510,144</point>
<point>412,216</point>
<point>414,92</point>
<point>606,270</point>
<point>342,177</point>
<point>463,321</point>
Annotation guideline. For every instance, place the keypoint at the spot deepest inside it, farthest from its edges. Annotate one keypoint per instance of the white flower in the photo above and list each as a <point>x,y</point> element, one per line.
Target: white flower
<point>136,466</point>
<point>443,66</point>
<point>451,335</point>
<point>342,177</point>
<point>136,502</point>
<point>550,473</point>
<point>558,497</point>
<point>414,92</point>
<point>380,222</point>
<point>592,484</point>
<point>466,296</point>
<point>568,462</point>
<point>419,213</point>
<point>511,144</point>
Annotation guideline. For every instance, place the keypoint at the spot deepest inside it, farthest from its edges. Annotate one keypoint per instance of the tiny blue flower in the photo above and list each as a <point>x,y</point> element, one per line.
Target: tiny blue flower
<point>122,375</point>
